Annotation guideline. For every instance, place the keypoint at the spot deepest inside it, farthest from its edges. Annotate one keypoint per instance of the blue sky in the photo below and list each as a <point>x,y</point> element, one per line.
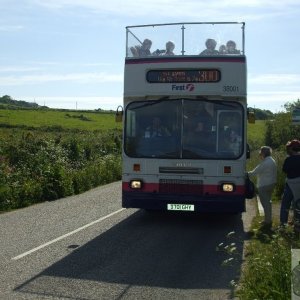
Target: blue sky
<point>64,53</point>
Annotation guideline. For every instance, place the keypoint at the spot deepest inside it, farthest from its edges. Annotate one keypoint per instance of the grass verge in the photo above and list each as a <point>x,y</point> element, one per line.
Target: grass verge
<point>267,269</point>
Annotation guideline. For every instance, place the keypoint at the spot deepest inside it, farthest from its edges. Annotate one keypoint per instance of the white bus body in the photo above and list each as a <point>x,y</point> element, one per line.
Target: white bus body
<point>196,160</point>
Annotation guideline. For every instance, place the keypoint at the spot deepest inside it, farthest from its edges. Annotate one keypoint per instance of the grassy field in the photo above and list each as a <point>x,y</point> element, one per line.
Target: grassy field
<point>256,130</point>
<point>83,120</point>
<point>51,154</point>
<point>88,120</point>
<point>256,134</point>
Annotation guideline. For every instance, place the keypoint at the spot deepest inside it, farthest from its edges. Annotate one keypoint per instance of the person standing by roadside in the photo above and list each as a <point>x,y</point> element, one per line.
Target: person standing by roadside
<point>266,173</point>
<point>291,167</point>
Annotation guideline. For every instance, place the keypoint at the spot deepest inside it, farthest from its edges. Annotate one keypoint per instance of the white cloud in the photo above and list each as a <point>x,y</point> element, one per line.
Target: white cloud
<point>10,28</point>
<point>275,79</point>
<point>177,8</point>
<point>272,91</point>
<point>83,78</point>
<point>31,66</point>
<point>271,100</point>
<point>18,69</point>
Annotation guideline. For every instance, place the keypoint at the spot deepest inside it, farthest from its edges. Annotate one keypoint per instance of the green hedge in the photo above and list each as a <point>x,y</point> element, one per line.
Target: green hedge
<point>35,168</point>
<point>276,133</point>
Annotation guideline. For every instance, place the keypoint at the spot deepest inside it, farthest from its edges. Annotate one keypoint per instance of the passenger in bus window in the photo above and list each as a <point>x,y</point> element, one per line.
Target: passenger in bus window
<point>231,48</point>
<point>210,48</point>
<point>205,118</point>
<point>200,127</point>
<point>235,141</point>
<point>156,129</point>
<point>224,140</point>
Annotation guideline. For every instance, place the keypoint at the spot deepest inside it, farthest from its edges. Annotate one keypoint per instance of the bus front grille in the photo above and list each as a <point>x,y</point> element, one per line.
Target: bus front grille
<point>181,186</point>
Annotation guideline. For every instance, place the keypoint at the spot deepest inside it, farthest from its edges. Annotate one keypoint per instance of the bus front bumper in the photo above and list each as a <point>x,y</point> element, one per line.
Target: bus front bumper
<point>207,203</point>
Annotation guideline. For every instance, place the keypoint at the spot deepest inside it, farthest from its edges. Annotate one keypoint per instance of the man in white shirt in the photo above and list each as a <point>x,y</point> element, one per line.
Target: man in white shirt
<point>266,173</point>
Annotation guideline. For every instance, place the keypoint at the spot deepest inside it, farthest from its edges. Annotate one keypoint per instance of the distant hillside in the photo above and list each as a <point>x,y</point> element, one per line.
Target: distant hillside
<point>7,102</point>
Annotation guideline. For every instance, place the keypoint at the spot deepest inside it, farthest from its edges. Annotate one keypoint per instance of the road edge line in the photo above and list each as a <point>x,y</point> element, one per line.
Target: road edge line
<point>66,235</point>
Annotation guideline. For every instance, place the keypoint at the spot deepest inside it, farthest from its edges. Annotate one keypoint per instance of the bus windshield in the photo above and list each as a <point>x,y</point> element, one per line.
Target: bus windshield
<point>184,128</point>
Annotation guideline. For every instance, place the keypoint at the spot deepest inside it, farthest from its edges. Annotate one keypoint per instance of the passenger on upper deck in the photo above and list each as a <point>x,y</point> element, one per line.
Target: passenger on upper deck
<point>170,46</point>
<point>222,50</point>
<point>231,48</point>
<point>143,50</point>
<point>169,50</point>
<point>210,48</point>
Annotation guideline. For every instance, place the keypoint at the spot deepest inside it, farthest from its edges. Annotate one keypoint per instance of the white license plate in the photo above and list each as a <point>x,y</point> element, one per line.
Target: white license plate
<point>182,207</point>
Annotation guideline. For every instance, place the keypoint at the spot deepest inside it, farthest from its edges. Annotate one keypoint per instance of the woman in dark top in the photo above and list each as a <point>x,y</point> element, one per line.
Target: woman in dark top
<point>291,167</point>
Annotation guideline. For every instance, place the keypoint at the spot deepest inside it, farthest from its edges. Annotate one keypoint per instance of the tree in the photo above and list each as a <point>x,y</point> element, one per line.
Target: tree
<point>261,114</point>
<point>6,99</point>
<point>279,130</point>
<point>289,106</point>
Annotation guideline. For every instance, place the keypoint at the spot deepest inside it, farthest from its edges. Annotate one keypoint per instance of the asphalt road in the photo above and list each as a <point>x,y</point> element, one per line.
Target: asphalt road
<point>88,247</point>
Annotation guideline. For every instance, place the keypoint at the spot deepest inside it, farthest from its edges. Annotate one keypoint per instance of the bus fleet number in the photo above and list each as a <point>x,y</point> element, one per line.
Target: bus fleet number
<point>230,88</point>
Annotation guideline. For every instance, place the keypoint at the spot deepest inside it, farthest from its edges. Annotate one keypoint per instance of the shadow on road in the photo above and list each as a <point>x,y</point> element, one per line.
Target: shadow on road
<point>169,251</point>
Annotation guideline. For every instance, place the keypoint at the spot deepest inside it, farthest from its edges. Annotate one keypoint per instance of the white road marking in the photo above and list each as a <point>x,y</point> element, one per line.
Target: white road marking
<point>66,235</point>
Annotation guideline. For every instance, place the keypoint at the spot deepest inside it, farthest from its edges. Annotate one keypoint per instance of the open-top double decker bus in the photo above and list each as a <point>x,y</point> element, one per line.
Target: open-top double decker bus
<point>185,117</point>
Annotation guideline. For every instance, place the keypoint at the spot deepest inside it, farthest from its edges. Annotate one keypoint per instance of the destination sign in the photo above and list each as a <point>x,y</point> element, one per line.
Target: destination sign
<point>183,76</point>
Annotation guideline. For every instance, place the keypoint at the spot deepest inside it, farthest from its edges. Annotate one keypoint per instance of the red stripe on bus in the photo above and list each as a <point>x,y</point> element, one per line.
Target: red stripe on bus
<point>184,59</point>
<point>186,188</point>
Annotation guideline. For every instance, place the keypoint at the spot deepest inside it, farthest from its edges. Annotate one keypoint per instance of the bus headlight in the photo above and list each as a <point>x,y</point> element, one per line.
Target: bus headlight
<point>227,187</point>
<point>136,184</point>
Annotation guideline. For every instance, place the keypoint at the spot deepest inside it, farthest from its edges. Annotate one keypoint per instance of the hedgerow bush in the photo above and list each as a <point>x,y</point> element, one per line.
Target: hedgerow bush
<point>280,130</point>
<point>35,167</point>
<point>274,133</point>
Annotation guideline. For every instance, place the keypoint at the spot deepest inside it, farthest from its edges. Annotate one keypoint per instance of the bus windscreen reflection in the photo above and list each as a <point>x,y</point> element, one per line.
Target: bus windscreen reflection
<point>183,128</point>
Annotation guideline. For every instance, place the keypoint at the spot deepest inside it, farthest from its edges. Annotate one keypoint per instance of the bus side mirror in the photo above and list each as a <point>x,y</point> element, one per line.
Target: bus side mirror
<point>119,114</point>
<point>251,117</point>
